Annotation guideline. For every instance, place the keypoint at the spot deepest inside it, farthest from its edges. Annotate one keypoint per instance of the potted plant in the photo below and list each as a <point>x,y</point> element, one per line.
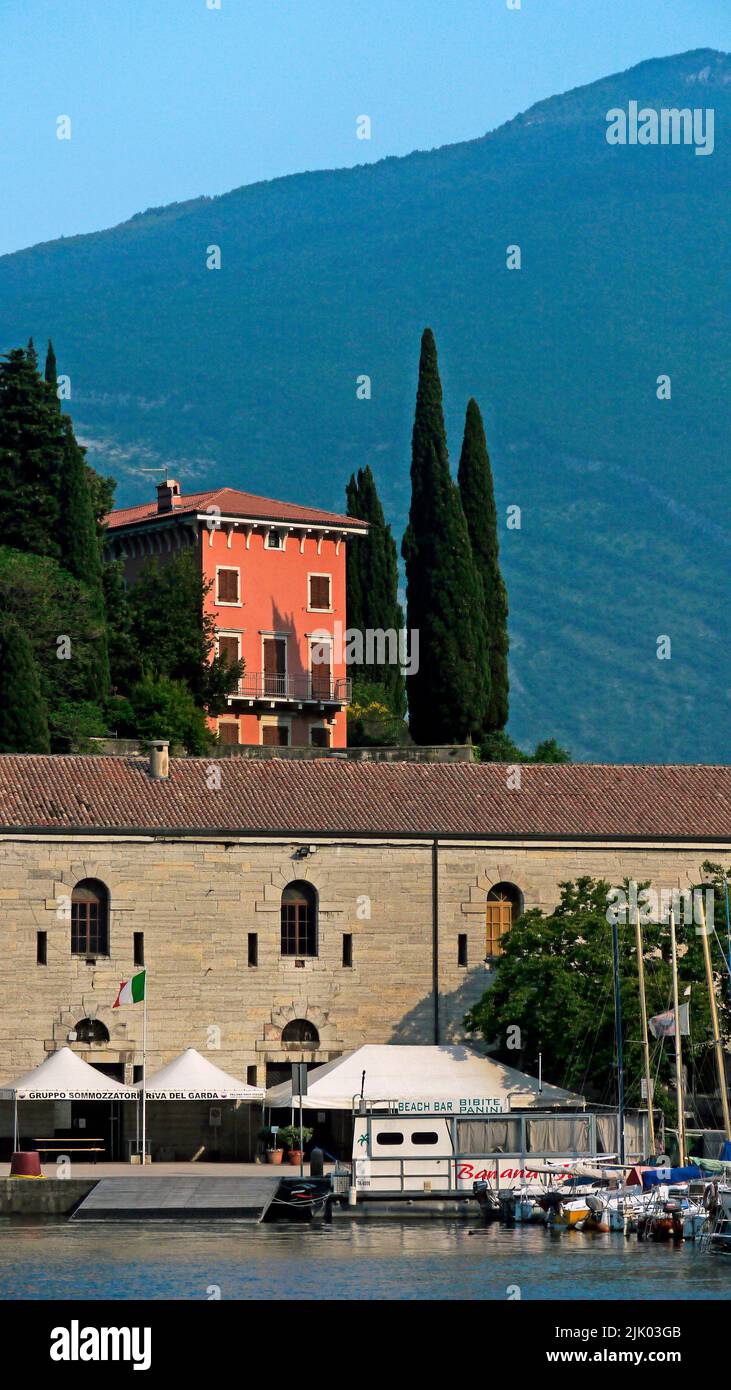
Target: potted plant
<point>291,1137</point>
<point>273,1153</point>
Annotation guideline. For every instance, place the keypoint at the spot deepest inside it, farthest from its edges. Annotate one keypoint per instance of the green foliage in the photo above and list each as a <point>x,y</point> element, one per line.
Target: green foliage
<point>372,585</point>
<point>32,443</point>
<point>75,723</point>
<point>290,1135</point>
<point>448,694</point>
<point>124,654</point>
<point>52,606</point>
<point>372,720</point>
<point>554,981</point>
<point>500,748</point>
<point>478,501</point>
<point>163,708</point>
<point>23,720</point>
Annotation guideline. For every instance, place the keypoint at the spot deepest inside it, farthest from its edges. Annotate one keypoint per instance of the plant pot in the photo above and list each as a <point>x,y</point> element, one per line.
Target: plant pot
<point>275,1155</point>
<point>294,1156</point>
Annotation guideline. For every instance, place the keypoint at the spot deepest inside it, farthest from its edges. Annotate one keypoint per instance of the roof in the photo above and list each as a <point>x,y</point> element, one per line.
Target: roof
<point>338,796</point>
<point>394,1072</point>
<point>192,1077</point>
<point>231,502</point>
<point>63,1075</point>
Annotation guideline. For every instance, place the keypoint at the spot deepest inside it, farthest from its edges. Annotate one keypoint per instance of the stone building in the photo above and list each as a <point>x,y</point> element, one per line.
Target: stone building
<point>289,909</point>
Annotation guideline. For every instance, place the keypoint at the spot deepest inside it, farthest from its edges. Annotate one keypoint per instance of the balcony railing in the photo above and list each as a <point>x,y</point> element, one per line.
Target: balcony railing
<point>310,687</point>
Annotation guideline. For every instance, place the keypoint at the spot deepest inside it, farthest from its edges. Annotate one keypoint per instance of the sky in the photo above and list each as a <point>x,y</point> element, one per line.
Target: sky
<point>170,99</point>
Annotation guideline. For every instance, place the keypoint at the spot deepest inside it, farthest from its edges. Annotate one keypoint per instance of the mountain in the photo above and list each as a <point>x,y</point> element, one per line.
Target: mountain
<point>247,375</point>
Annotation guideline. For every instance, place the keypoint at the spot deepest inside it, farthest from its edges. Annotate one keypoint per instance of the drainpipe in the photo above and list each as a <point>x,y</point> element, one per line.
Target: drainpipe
<point>435,932</point>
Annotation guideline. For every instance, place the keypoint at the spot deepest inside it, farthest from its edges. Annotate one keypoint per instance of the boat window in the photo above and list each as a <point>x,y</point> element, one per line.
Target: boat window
<point>389,1136</point>
<point>424,1136</point>
<point>488,1136</point>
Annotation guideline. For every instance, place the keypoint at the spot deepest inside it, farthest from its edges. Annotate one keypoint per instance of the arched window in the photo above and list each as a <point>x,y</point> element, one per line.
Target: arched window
<point>90,919</point>
<point>504,905</point>
<point>300,1033</point>
<point>299,920</point>
<point>90,1030</point>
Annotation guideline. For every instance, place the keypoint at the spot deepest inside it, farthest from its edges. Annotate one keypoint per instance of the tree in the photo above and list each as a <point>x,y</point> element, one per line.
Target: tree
<point>174,635</point>
<point>77,534</point>
<point>164,708</point>
<point>554,982</point>
<point>478,501</point>
<point>372,721</point>
<point>124,656</point>
<point>51,371</point>
<point>372,589</point>
<point>449,693</point>
<point>32,446</point>
<point>500,748</point>
<point>23,720</point>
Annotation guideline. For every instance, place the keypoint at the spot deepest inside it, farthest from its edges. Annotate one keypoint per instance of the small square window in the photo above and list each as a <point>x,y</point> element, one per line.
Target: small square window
<point>251,1076</point>
<point>320,593</point>
<point>273,540</point>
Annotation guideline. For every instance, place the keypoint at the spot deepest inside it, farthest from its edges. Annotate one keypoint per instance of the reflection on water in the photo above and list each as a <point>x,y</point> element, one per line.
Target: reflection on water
<point>400,1259</point>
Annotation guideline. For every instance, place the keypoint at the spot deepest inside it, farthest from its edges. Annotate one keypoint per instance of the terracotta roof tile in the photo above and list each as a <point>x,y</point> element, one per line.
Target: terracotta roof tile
<point>232,503</point>
<point>329,795</point>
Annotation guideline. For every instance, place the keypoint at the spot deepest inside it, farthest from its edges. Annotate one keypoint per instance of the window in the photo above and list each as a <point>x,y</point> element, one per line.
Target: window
<point>139,948</point>
<point>321,669</point>
<point>273,540</point>
<point>41,948</point>
<point>504,905</point>
<point>228,730</point>
<point>274,660</point>
<point>229,647</point>
<point>251,1076</point>
<point>347,950</point>
<point>299,920</point>
<point>300,1033</point>
<point>90,1030</point>
<point>320,599</point>
<point>227,585</point>
<point>462,948</point>
<point>319,736</point>
<point>389,1136</point>
<point>275,735</point>
<point>90,919</point>
<point>424,1136</point>
<point>253,948</point>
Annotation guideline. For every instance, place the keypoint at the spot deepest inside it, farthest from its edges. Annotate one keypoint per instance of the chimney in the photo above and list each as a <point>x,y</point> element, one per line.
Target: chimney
<point>159,765</point>
<point>168,495</point>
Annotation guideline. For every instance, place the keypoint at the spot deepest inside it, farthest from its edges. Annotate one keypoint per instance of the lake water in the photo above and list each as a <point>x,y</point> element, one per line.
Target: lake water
<point>374,1259</point>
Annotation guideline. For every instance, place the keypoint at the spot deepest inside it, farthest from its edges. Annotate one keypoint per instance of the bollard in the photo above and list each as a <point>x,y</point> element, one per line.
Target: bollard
<point>317,1163</point>
<point>352,1197</point>
<point>25,1165</point>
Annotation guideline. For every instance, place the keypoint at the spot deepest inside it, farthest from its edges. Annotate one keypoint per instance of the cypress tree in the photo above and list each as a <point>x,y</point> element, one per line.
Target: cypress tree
<point>23,719</point>
<point>51,372</point>
<point>77,535</point>
<point>31,457</point>
<point>478,502</point>
<point>448,695</point>
<point>372,588</point>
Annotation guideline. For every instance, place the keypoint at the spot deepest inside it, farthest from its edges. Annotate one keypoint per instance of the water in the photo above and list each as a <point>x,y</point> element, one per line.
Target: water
<point>384,1259</point>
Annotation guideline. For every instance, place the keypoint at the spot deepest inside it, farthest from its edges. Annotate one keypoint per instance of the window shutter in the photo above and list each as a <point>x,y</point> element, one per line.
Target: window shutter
<point>228,731</point>
<point>319,591</point>
<point>229,647</point>
<point>228,586</point>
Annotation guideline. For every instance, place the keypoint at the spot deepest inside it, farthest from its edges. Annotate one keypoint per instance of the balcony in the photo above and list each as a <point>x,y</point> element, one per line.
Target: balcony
<point>313,688</point>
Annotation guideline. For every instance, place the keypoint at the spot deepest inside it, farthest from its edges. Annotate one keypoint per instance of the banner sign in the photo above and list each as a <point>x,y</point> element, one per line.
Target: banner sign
<point>480,1105</point>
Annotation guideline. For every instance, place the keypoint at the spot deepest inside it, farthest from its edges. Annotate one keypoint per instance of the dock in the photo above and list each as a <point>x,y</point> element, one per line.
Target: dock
<point>146,1197</point>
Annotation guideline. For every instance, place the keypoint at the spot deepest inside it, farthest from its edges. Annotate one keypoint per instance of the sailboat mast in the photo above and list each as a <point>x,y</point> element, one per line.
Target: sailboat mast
<point>678,1047</point>
<point>645,1039</point>
<point>618,1039</point>
<point>717,1043</point>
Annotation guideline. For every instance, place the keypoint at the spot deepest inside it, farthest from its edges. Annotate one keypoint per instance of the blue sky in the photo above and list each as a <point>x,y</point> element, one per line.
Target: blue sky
<point>169,99</point>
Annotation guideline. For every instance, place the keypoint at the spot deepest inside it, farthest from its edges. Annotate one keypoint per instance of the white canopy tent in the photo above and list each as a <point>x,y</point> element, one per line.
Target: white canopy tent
<point>192,1077</point>
<point>63,1075</point>
<point>446,1074</point>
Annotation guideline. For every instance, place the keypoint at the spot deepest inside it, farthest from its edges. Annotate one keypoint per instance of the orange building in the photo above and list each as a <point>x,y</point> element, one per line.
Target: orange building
<point>277,597</point>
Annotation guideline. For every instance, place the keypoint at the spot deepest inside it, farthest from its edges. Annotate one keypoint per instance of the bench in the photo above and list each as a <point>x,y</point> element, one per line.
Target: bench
<point>70,1146</point>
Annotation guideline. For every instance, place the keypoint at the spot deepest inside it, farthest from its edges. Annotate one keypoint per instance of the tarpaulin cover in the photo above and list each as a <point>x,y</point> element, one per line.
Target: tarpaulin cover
<point>656,1177</point>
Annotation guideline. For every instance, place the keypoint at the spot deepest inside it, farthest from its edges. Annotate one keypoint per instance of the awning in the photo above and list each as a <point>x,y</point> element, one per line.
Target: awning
<point>63,1075</point>
<point>192,1077</point>
<point>454,1079</point>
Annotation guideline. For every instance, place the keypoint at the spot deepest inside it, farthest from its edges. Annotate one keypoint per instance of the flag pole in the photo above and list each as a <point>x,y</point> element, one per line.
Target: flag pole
<point>717,1042</point>
<point>678,1046</point>
<point>144,1072</point>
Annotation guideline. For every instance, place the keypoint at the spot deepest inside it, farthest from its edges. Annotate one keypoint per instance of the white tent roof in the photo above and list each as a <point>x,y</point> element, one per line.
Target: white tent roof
<point>192,1077</point>
<point>63,1075</point>
<point>395,1073</point>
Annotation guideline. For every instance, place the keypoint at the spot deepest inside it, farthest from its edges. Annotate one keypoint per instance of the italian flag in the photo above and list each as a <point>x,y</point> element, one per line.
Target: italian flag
<point>131,991</point>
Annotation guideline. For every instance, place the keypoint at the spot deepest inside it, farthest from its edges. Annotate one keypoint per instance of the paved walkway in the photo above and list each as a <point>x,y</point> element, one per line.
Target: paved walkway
<point>195,1194</point>
<point>98,1171</point>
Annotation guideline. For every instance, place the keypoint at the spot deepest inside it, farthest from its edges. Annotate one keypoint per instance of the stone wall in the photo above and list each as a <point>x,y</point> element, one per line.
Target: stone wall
<point>197,901</point>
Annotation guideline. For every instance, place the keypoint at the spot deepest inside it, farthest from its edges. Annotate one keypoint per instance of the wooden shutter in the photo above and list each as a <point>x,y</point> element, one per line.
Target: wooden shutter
<point>320,591</point>
<point>275,666</point>
<point>229,647</point>
<point>275,735</point>
<point>499,919</point>
<point>228,730</point>
<point>228,586</point>
<point>321,670</point>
